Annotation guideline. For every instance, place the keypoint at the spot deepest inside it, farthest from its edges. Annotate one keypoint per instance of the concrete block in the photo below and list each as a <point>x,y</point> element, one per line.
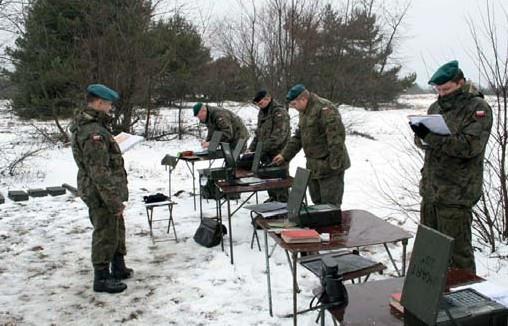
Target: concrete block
<point>56,191</point>
<point>72,189</point>
<point>37,192</point>
<point>17,195</point>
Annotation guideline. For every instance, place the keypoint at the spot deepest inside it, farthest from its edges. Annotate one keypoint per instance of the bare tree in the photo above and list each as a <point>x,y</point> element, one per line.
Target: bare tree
<point>491,54</point>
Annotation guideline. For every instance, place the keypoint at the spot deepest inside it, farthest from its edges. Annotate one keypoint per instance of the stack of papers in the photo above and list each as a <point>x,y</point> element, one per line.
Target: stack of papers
<point>126,141</point>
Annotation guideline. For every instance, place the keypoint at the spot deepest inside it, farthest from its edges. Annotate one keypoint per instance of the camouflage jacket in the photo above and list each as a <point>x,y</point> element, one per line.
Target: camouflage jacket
<point>101,175</point>
<point>273,129</point>
<point>229,123</point>
<point>322,135</point>
<point>452,172</point>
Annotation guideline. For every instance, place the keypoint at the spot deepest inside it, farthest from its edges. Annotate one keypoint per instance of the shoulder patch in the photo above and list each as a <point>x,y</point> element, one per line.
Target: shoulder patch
<point>479,114</point>
<point>97,138</point>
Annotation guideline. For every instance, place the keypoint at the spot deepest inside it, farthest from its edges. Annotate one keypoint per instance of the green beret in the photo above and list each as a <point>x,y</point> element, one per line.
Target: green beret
<point>445,73</point>
<point>294,92</point>
<point>103,92</point>
<point>196,108</point>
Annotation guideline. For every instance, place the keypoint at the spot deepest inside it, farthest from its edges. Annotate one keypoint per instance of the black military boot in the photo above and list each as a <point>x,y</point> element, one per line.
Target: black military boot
<point>118,268</point>
<point>104,282</point>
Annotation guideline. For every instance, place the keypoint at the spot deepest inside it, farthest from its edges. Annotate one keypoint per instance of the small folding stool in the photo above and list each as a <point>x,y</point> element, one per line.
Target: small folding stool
<point>149,213</point>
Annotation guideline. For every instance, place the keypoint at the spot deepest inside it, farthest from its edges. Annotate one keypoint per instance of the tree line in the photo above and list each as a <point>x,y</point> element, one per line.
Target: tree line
<point>343,52</point>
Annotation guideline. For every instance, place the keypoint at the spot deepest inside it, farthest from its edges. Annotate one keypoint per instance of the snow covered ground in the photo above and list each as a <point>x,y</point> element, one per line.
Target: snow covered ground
<point>45,270</point>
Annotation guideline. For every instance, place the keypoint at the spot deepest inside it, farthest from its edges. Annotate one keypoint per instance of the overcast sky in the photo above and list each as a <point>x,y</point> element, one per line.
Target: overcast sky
<point>435,32</point>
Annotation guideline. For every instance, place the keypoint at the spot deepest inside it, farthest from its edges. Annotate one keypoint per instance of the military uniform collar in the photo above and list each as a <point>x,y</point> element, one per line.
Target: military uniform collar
<point>310,103</point>
<point>93,115</point>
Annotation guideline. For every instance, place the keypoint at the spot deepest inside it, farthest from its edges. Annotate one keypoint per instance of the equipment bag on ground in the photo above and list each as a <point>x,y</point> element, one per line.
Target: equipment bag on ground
<point>209,233</point>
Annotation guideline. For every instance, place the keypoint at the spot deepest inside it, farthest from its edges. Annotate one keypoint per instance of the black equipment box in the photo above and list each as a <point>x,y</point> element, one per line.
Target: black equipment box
<point>37,192</point>
<point>56,191</point>
<point>17,195</point>
<point>273,172</point>
<point>320,215</point>
<point>2,199</point>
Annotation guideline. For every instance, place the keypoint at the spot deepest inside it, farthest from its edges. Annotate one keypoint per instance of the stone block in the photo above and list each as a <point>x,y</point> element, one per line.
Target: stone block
<point>17,195</point>
<point>56,191</point>
<point>37,192</point>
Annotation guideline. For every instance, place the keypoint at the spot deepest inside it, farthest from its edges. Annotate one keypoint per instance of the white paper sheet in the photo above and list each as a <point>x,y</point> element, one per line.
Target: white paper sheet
<point>434,122</point>
<point>126,141</point>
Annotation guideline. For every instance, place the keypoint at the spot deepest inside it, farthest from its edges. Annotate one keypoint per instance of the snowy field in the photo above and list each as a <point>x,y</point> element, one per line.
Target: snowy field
<point>45,269</point>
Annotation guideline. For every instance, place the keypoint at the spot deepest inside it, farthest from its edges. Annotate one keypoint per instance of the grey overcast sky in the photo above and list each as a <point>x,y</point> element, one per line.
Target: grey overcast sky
<point>435,31</point>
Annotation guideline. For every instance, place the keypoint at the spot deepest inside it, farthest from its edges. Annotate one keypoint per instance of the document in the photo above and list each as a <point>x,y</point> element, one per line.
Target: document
<point>434,122</point>
<point>126,141</point>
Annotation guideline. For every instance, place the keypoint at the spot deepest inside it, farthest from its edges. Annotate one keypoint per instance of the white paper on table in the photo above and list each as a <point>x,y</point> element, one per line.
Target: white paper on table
<point>274,212</point>
<point>126,141</point>
<point>434,122</point>
<point>489,289</point>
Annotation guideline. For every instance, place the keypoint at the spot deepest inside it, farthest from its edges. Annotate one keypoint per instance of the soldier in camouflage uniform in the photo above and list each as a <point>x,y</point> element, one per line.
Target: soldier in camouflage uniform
<point>223,120</point>
<point>273,130</point>
<point>322,136</point>
<point>102,185</point>
<point>452,174</point>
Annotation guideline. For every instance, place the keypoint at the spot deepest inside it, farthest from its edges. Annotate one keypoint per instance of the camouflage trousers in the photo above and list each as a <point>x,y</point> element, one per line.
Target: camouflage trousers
<point>454,221</point>
<point>108,237</point>
<point>327,190</point>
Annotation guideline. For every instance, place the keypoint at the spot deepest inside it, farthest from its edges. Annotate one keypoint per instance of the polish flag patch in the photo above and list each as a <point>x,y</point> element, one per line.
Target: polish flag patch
<point>479,114</point>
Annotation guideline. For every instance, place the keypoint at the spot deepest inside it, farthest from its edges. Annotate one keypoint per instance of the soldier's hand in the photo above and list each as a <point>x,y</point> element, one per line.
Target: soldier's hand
<point>419,129</point>
<point>278,159</point>
<point>120,213</point>
<point>204,144</point>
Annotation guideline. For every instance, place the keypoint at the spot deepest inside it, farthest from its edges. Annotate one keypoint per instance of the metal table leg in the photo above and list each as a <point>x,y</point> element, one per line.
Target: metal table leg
<point>170,207</point>
<point>230,231</point>
<point>295,286</point>
<point>404,247</point>
<point>268,281</point>
<point>392,260</point>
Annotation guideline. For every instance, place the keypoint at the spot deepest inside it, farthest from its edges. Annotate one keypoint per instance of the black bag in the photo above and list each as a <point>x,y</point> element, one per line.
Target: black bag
<point>155,198</point>
<point>210,191</point>
<point>209,233</point>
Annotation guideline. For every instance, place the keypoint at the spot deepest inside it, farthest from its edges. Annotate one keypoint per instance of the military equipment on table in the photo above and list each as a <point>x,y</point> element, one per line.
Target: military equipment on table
<point>211,151</point>
<point>320,215</point>
<point>426,281</point>
<point>266,171</point>
<point>37,192</point>
<point>56,191</point>
<point>17,195</point>
<point>2,199</point>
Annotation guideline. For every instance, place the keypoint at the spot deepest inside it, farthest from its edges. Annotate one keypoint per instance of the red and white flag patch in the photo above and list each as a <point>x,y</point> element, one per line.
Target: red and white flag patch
<point>479,114</point>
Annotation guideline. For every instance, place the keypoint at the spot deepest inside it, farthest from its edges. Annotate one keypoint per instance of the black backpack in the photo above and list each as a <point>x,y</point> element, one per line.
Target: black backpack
<point>209,232</point>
